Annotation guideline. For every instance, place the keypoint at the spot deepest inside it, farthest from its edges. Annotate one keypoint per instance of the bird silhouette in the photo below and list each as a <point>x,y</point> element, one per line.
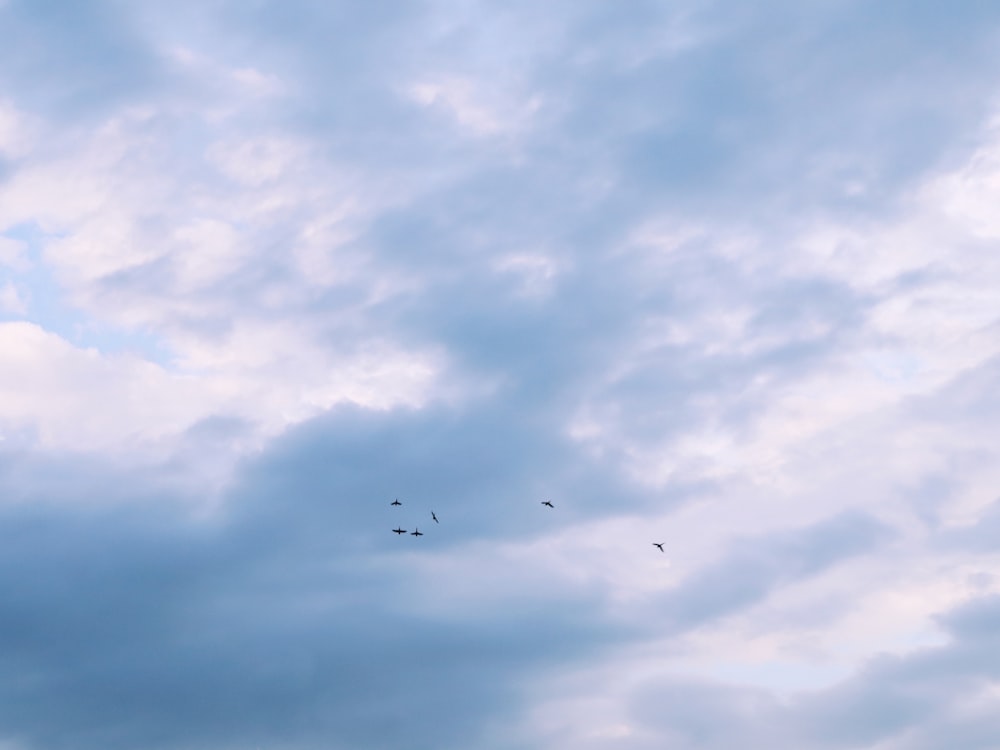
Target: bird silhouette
<point>434,517</point>
<point>658,544</point>
<point>395,502</point>
<point>400,531</point>
<point>416,532</point>
<point>546,502</point>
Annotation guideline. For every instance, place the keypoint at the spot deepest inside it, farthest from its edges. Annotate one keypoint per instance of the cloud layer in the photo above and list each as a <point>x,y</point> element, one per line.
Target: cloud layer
<point>712,276</point>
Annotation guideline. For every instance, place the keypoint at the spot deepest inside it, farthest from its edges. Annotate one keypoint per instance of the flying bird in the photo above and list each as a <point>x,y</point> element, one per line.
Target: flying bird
<point>434,517</point>
<point>400,531</point>
<point>395,502</point>
<point>416,532</point>
<point>546,502</point>
<point>658,544</point>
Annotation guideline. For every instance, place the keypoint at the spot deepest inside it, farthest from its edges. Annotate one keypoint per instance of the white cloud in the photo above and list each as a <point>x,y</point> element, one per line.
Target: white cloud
<point>254,162</point>
<point>536,273</point>
<point>478,106</point>
<point>78,398</point>
<point>17,131</point>
<point>218,274</point>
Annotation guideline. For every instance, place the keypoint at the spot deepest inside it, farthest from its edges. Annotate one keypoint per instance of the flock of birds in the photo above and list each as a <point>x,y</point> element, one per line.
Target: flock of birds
<point>417,532</point>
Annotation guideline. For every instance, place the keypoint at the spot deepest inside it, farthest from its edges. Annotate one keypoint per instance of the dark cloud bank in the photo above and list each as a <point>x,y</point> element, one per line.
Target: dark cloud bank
<point>294,618</point>
<point>290,620</point>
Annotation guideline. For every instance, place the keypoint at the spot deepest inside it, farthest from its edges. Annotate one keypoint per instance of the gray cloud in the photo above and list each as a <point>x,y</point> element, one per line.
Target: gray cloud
<point>931,699</point>
<point>756,567</point>
<point>73,60</point>
<point>293,619</point>
<point>284,613</point>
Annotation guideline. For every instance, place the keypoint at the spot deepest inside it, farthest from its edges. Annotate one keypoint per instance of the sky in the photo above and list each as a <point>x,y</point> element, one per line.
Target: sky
<point>715,274</point>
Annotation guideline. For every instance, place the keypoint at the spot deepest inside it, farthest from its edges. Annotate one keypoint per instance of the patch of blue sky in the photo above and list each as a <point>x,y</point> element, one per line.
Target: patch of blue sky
<point>48,307</point>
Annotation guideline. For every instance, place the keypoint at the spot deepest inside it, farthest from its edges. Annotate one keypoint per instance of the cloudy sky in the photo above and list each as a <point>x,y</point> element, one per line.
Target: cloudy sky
<point>715,274</point>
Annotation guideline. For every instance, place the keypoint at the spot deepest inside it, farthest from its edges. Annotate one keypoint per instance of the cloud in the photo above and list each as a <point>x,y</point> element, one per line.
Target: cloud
<point>67,60</point>
<point>751,570</point>
<point>931,698</point>
<point>67,396</point>
<point>703,274</point>
<point>288,571</point>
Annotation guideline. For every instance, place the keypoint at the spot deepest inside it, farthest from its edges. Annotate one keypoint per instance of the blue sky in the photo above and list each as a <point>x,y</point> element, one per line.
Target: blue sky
<point>720,275</point>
